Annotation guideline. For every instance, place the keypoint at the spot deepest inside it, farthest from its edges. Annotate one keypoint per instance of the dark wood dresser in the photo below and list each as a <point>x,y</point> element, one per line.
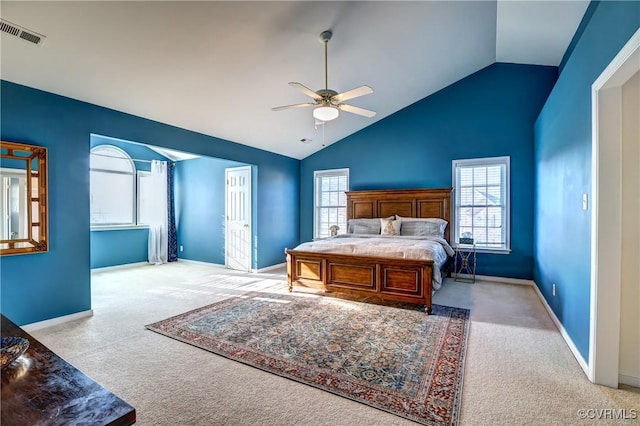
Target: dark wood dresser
<point>43,389</point>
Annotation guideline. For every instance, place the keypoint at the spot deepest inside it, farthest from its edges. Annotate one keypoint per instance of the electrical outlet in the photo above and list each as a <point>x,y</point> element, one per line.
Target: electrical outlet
<point>553,289</point>
<point>181,248</point>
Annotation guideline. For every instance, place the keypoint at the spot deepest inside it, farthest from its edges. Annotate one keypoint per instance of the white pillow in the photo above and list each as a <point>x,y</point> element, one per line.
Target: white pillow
<point>373,226</point>
<point>390,227</point>
<point>424,227</point>
<point>366,229</point>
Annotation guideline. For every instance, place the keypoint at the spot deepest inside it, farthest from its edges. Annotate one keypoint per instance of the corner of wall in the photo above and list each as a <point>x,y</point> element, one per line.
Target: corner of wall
<point>574,349</point>
<point>578,34</point>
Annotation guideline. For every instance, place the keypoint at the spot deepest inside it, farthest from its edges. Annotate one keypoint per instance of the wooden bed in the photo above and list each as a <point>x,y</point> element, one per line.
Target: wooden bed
<point>397,279</point>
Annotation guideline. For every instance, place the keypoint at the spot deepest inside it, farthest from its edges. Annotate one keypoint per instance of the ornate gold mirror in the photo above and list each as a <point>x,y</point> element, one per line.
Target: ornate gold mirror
<point>23,199</point>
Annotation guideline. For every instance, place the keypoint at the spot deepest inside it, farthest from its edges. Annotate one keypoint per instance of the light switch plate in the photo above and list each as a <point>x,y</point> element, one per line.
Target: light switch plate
<point>585,201</point>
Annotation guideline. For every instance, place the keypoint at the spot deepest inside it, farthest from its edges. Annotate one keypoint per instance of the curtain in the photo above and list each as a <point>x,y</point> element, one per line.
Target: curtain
<point>158,213</point>
<point>172,235</point>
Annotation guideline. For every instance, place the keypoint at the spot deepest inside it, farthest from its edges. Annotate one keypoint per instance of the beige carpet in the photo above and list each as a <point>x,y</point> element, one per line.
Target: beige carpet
<point>518,369</point>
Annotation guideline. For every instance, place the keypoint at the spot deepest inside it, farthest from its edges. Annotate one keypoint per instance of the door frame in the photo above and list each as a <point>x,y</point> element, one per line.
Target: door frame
<point>606,223</point>
<point>226,220</point>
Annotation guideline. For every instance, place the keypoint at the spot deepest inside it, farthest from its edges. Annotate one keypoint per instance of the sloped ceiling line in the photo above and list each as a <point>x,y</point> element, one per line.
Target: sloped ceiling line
<point>218,68</point>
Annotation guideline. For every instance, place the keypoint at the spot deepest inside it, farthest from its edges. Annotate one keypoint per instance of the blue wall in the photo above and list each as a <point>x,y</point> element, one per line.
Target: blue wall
<point>122,246</point>
<point>200,209</point>
<point>41,286</point>
<point>563,167</point>
<point>119,247</point>
<point>490,113</point>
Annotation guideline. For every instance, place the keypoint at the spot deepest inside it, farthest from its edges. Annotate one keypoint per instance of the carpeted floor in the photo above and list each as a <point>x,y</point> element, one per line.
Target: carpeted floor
<point>394,358</point>
<point>518,369</point>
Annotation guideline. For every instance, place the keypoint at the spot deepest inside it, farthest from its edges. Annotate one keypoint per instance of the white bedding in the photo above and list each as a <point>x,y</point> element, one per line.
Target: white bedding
<point>405,247</point>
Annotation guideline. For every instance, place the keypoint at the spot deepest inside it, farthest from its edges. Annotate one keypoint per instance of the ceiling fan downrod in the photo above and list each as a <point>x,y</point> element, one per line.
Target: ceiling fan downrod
<point>325,36</point>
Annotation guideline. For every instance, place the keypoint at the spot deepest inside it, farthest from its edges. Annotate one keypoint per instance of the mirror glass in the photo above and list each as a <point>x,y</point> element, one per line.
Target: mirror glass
<point>23,198</point>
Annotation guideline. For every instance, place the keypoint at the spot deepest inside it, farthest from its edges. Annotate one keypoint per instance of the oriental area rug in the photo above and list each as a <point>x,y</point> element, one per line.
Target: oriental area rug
<point>396,359</point>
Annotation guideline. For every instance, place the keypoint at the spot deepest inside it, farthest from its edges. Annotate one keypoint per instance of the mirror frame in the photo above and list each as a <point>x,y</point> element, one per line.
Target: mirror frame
<point>39,220</point>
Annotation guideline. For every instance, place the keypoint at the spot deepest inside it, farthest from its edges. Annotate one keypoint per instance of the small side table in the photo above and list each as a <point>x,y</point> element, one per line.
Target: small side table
<point>465,262</point>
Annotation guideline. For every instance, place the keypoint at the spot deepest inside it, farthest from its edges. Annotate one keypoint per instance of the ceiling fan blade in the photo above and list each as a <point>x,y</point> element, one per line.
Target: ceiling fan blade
<point>304,89</point>
<point>353,93</point>
<point>357,110</point>
<point>306,104</point>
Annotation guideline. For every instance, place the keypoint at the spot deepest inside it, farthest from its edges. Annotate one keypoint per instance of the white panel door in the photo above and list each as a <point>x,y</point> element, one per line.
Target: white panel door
<point>238,218</point>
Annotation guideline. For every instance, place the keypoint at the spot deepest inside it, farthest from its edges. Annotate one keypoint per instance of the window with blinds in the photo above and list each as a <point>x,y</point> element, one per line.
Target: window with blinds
<point>481,210</point>
<point>112,186</point>
<point>330,201</point>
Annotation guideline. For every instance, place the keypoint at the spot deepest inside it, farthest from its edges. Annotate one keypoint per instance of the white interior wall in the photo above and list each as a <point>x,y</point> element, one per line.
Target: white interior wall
<point>630,272</point>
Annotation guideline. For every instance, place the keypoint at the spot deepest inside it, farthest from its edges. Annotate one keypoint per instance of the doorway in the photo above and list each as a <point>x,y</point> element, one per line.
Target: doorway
<point>238,214</point>
<point>612,285</point>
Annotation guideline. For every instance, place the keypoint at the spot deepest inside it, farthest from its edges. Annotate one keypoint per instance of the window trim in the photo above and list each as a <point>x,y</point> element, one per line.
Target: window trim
<point>486,161</point>
<point>116,226</point>
<point>324,173</point>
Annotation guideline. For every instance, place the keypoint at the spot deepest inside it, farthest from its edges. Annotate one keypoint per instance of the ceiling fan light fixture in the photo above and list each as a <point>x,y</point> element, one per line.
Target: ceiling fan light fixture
<point>326,113</point>
<point>327,102</point>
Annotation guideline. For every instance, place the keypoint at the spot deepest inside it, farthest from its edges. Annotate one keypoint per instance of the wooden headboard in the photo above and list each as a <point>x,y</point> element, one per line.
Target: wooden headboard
<point>433,202</point>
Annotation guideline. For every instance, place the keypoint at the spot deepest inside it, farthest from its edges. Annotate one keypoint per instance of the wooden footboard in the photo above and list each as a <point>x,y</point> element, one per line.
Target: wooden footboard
<point>403,280</point>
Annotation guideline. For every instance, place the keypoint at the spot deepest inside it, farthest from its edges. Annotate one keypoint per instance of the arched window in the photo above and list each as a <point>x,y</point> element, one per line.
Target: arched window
<point>112,174</point>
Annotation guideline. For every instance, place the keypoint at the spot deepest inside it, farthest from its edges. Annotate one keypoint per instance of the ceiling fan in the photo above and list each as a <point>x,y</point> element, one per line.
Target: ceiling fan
<point>328,103</point>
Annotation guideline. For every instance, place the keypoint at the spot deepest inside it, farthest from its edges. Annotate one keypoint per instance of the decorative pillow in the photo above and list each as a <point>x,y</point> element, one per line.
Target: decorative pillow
<point>423,227</point>
<point>390,227</point>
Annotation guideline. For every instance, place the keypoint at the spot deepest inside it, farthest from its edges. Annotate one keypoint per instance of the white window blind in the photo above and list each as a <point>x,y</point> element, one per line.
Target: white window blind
<point>112,184</point>
<point>481,194</point>
<point>330,201</point>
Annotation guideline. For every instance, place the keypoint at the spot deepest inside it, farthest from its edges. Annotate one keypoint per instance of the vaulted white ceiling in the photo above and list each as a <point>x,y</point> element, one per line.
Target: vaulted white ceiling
<point>219,67</point>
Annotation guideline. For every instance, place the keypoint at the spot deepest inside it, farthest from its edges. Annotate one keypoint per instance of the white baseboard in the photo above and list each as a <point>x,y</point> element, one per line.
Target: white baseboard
<point>199,262</point>
<point>502,280</point>
<point>124,265</point>
<point>56,321</point>
<point>576,353</point>
<point>129,265</point>
<point>270,268</point>
<point>629,380</point>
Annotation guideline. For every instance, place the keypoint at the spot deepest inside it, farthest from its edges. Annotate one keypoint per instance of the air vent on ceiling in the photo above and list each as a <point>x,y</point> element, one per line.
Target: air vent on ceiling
<point>20,32</point>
